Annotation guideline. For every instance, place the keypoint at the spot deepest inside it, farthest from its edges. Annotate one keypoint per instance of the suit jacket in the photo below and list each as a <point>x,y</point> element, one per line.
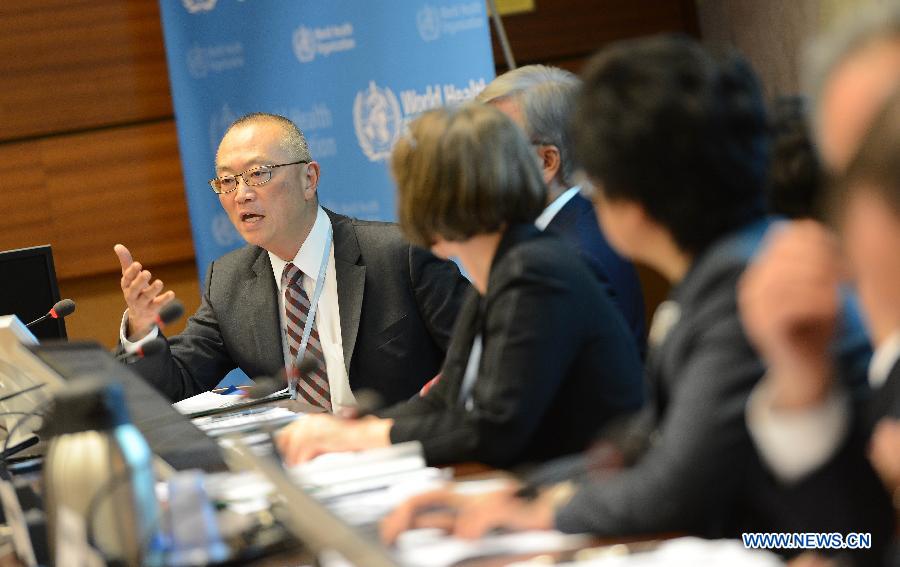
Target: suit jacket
<point>845,494</point>
<point>884,402</point>
<point>558,363</point>
<point>397,307</point>
<point>701,473</point>
<point>700,377</point>
<point>577,223</point>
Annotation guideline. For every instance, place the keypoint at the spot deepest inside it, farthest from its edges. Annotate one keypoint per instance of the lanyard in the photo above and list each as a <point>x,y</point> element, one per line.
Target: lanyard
<point>310,319</point>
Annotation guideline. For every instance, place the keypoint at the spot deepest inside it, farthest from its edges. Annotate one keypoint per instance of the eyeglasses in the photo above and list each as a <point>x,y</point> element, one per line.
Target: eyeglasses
<point>253,177</point>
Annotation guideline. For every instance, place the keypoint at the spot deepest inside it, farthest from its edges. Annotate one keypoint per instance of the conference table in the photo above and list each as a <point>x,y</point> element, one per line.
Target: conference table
<point>472,471</point>
<point>295,553</point>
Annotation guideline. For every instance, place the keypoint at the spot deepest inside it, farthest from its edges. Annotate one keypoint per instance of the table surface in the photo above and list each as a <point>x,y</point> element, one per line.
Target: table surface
<point>462,471</point>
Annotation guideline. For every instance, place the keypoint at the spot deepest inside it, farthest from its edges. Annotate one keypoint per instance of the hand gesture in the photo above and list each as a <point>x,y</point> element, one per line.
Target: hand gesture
<point>789,302</point>
<point>143,298</point>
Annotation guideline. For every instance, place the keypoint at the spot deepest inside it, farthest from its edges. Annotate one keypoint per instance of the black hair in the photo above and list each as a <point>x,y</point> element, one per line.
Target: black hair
<point>662,122</point>
<point>796,180</point>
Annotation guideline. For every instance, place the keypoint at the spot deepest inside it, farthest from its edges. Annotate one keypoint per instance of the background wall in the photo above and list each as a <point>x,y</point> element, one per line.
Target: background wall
<point>88,153</point>
<point>773,34</point>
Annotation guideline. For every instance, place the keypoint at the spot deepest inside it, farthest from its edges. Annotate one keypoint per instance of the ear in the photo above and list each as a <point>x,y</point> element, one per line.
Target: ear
<point>312,181</point>
<point>551,162</point>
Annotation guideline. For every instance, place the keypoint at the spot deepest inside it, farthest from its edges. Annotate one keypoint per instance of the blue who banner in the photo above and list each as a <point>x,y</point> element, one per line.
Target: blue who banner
<point>349,73</point>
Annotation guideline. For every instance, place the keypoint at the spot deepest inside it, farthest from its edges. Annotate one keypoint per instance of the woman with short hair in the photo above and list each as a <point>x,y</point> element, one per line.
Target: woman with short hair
<point>540,359</point>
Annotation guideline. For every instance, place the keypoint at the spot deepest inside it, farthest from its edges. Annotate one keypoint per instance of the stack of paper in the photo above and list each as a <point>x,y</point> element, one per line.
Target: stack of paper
<point>207,401</point>
<point>246,420</point>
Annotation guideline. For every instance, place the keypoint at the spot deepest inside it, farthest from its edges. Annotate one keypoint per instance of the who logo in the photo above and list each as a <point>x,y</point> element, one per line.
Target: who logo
<point>218,123</point>
<point>428,20</point>
<point>197,6</point>
<point>378,121</point>
<point>304,44</point>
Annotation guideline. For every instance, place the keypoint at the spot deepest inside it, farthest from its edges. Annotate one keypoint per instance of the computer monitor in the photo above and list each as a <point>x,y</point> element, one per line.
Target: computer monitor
<point>28,289</point>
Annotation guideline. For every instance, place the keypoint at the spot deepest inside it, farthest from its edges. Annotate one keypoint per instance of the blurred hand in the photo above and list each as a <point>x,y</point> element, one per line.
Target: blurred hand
<point>884,452</point>
<point>789,302</point>
<point>143,298</point>
<point>468,516</point>
<point>317,434</point>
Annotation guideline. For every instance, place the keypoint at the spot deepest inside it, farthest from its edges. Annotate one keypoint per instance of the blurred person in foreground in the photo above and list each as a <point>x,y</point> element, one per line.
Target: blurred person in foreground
<point>539,99</point>
<point>676,143</point>
<point>811,432</point>
<point>540,359</point>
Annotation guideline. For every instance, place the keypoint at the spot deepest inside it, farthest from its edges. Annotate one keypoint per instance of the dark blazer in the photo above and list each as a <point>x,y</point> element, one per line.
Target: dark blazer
<point>558,363</point>
<point>885,401</point>
<point>397,307</point>
<point>700,376</point>
<point>577,223</point>
<point>700,473</point>
<point>845,494</point>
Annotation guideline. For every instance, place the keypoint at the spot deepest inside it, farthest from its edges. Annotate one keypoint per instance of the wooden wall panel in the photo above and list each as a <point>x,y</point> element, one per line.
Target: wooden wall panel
<point>94,189</point>
<point>27,217</point>
<point>78,64</point>
<point>561,30</point>
<point>100,304</point>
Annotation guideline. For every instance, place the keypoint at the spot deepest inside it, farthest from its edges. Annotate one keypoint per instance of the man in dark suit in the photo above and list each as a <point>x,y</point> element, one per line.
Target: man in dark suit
<point>539,99</point>
<point>372,311</point>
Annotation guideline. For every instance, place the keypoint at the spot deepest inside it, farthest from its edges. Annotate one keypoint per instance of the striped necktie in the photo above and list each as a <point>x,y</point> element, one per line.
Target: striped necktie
<point>313,386</point>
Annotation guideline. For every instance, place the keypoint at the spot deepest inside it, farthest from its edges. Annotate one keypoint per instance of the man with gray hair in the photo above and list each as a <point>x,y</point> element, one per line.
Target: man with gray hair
<point>351,297</point>
<point>539,99</point>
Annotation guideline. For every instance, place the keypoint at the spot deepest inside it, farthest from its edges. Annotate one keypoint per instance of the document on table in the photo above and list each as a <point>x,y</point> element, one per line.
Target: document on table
<point>434,548</point>
<point>207,401</point>
<point>246,420</point>
<point>679,552</point>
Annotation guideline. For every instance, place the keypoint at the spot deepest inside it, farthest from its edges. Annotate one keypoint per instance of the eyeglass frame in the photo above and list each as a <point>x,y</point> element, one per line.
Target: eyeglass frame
<point>212,181</point>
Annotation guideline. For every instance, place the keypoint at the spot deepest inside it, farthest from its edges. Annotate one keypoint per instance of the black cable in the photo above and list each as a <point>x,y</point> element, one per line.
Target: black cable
<point>93,508</point>
<point>23,391</point>
<point>25,415</point>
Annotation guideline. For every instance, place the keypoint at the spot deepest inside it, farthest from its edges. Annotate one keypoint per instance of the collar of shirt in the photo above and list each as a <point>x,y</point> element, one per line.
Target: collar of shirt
<point>309,257</point>
<point>883,360</point>
<point>547,215</point>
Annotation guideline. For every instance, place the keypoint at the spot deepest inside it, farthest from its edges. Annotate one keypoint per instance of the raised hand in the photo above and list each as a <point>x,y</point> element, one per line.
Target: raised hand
<point>143,298</point>
<point>789,302</point>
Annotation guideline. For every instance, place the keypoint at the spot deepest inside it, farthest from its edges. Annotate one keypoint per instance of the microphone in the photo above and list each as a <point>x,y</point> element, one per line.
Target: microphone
<point>305,366</point>
<point>171,312</point>
<point>168,314</point>
<point>265,386</point>
<point>368,402</point>
<point>60,310</point>
<point>149,348</point>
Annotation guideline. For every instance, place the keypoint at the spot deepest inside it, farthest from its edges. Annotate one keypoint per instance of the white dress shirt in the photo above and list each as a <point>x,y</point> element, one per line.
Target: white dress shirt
<point>795,443</point>
<point>328,318</point>
<point>553,208</point>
